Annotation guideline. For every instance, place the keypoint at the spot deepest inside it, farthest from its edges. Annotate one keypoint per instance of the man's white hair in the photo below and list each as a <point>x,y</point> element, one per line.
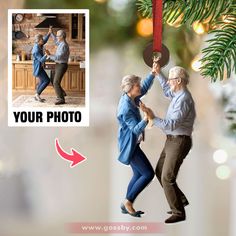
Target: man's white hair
<point>128,82</point>
<point>61,33</point>
<point>179,72</point>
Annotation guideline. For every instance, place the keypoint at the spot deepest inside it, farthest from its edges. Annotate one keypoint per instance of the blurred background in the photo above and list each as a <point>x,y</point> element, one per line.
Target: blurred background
<point>39,193</point>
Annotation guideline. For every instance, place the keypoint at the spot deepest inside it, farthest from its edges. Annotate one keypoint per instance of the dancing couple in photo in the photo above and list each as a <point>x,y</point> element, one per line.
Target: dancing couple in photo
<point>177,126</point>
<point>41,55</point>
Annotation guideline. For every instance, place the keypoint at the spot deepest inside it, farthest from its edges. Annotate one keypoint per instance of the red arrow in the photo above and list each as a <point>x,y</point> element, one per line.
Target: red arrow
<point>76,158</point>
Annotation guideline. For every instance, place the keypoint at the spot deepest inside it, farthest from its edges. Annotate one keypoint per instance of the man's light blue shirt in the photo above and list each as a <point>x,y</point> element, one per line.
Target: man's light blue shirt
<point>181,113</point>
<point>62,52</point>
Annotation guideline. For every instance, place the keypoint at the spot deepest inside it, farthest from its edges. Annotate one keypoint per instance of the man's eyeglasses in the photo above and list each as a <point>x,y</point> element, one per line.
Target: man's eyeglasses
<point>172,78</point>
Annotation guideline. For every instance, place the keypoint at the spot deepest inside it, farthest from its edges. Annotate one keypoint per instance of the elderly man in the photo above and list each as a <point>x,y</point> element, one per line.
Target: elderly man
<point>178,127</point>
<point>61,58</point>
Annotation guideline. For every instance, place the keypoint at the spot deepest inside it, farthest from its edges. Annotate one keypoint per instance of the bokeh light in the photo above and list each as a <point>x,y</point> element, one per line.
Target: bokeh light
<point>144,27</point>
<point>100,1</point>
<point>118,5</point>
<point>220,156</point>
<point>223,172</point>
<point>198,27</point>
<point>196,64</point>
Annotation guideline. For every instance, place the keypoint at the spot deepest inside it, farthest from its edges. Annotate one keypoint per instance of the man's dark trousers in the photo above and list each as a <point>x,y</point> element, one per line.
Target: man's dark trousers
<point>60,70</point>
<point>175,150</point>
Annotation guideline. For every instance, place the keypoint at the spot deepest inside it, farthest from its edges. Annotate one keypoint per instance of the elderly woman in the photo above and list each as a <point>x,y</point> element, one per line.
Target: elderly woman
<point>61,58</point>
<point>131,133</point>
<point>38,61</point>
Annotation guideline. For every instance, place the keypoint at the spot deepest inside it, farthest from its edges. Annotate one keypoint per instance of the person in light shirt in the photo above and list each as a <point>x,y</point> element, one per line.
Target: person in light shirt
<point>61,58</point>
<point>178,127</point>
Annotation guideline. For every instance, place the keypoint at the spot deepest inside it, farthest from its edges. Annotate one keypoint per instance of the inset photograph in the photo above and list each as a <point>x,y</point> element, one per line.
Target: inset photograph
<point>49,59</point>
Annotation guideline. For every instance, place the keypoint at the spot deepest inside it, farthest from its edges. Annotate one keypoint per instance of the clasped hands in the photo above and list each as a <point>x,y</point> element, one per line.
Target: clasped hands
<point>47,52</point>
<point>148,113</point>
<point>156,68</point>
<point>50,30</point>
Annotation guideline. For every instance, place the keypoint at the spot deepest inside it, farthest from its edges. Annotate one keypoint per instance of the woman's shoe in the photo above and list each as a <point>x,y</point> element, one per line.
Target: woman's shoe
<point>125,211</point>
<point>38,98</point>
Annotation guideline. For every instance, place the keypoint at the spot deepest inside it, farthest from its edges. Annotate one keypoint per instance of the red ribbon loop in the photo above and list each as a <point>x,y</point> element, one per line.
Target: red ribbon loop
<point>157,25</point>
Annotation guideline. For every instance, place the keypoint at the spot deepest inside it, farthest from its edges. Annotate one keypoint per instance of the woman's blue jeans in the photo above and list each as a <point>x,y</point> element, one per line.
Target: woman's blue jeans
<point>143,174</point>
<point>43,81</point>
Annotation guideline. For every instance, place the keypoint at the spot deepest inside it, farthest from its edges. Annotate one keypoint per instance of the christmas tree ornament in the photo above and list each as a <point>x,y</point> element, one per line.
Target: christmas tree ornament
<point>149,56</point>
<point>156,51</point>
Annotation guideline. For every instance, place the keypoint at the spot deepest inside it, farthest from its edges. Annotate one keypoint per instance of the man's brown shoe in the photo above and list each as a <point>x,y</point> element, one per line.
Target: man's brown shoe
<point>175,219</point>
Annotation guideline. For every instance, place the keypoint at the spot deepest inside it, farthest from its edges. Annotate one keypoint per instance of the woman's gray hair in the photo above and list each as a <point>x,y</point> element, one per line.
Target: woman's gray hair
<point>179,72</point>
<point>128,82</point>
<point>61,33</point>
<point>38,37</point>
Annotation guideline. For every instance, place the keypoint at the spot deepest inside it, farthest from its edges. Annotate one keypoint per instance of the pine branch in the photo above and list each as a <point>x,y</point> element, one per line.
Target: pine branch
<point>190,10</point>
<point>220,55</point>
